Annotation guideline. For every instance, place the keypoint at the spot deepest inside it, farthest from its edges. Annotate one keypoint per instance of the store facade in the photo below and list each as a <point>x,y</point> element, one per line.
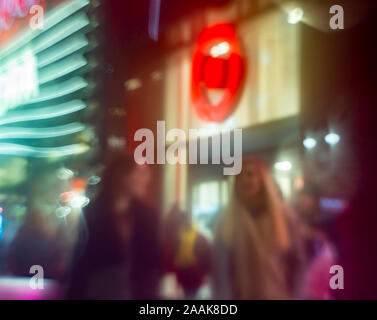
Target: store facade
<point>261,95</point>
<point>48,96</point>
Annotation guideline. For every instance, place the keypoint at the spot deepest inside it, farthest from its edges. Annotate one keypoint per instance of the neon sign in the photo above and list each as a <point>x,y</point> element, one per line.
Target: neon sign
<point>18,81</point>
<point>217,66</point>
<point>12,9</point>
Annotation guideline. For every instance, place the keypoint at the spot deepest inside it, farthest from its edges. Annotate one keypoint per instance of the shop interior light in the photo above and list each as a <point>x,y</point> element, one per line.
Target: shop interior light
<point>295,15</point>
<point>43,113</point>
<point>60,89</point>
<point>283,166</point>
<point>40,133</point>
<point>156,75</point>
<point>309,143</point>
<point>64,49</point>
<point>132,84</point>
<point>206,200</point>
<point>36,152</point>
<point>332,138</point>
<point>52,18</point>
<point>61,68</point>
<point>220,49</point>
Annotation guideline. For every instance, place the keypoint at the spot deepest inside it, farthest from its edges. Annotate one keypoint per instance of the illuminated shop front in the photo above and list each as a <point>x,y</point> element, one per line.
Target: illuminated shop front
<point>47,92</point>
<point>238,67</point>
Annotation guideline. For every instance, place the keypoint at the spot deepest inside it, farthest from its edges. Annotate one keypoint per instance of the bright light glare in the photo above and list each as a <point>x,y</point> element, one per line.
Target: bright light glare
<point>220,49</point>
<point>333,204</point>
<point>93,180</point>
<point>61,32</point>
<point>28,151</point>
<point>295,15</point>
<point>332,138</point>
<point>18,81</point>
<point>154,18</point>
<point>283,166</point>
<point>56,15</point>
<point>61,68</point>
<point>309,143</point>
<point>64,49</point>
<point>40,133</point>
<point>60,89</point>
<point>65,174</point>
<point>62,212</point>
<point>133,84</point>
<point>44,112</point>
<point>79,201</point>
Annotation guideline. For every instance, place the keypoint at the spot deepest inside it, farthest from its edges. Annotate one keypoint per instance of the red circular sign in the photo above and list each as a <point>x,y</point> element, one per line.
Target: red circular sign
<point>217,66</point>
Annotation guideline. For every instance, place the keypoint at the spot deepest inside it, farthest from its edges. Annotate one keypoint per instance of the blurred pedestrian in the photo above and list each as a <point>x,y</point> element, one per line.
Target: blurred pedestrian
<point>320,253</point>
<point>257,251</point>
<point>42,239</point>
<point>169,236</point>
<point>121,259</point>
<point>192,256</point>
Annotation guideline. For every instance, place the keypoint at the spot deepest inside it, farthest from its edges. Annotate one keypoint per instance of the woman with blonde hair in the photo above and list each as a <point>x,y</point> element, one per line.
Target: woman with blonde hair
<point>256,249</point>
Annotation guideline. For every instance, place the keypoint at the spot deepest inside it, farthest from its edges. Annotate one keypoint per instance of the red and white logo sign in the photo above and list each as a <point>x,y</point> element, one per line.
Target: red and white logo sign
<point>218,69</point>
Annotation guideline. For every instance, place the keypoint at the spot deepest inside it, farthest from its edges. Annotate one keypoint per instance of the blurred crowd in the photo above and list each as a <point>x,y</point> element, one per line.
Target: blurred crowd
<point>121,248</point>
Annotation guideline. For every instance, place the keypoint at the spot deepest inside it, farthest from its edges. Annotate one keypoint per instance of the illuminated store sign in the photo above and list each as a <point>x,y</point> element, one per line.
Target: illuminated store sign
<point>12,9</point>
<point>217,67</point>
<point>18,81</point>
<point>44,84</point>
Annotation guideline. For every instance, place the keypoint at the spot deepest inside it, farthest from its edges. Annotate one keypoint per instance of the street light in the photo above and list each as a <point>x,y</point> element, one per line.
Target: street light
<point>283,166</point>
<point>295,15</point>
<point>309,143</point>
<point>332,138</point>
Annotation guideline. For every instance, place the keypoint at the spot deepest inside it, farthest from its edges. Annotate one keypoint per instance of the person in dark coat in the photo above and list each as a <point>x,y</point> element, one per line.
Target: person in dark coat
<point>120,259</point>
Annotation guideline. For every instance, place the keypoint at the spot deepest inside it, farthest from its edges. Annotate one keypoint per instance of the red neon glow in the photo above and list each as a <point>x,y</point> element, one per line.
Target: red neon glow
<point>214,73</point>
<point>11,9</point>
<point>217,64</point>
